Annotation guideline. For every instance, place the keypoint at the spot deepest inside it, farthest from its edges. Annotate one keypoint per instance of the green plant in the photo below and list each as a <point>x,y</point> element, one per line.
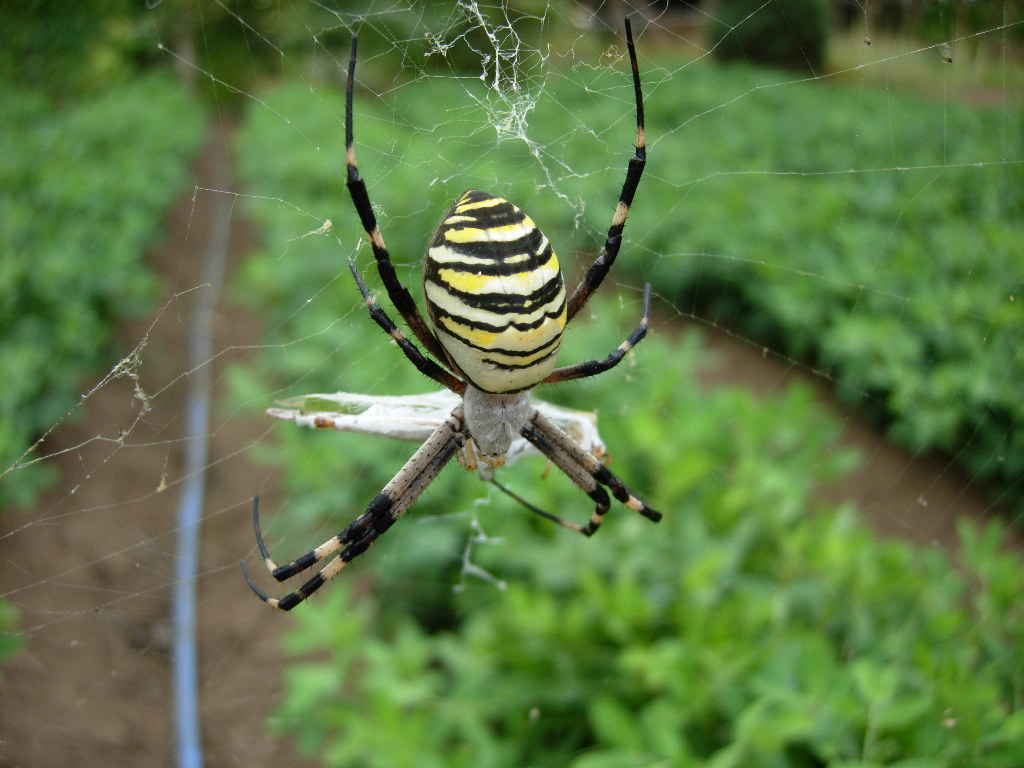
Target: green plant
<point>11,640</point>
<point>785,33</point>
<point>85,187</point>
<point>902,283</point>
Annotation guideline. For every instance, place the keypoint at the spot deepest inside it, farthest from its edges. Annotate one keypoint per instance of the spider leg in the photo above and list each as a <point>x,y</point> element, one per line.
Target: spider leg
<point>423,364</point>
<point>397,292</point>
<point>382,512</point>
<point>594,367</point>
<point>543,513</point>
<point>585,471</point>
<point>599,269</point>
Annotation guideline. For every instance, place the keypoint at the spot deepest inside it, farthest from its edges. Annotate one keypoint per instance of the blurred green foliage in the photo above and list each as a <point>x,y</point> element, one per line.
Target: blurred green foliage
<point>876,237</point>
<point>11,641</point>
<point>755,625</point>
<point>84,188</point>
<point>782,33</point>
<point>938,21</point>
<point>46,44</point>
<point>67,50</point>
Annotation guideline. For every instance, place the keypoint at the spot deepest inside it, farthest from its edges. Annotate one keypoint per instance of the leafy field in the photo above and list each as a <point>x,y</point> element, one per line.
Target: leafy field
<point>750,624</point>
<point>880,240</point>
<point>755,625</point>
<point>85,187</point>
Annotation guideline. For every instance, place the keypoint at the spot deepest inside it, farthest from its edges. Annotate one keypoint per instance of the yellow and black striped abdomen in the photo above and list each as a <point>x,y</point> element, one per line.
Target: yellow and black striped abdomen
<point>495,293</point>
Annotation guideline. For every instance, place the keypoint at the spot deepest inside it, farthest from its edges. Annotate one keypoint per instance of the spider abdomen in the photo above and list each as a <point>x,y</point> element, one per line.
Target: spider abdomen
<point>495,294</point>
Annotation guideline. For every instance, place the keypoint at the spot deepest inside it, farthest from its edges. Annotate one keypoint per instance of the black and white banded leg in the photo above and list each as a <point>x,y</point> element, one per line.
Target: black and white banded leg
<point>594,367</point>
<point>586,472</point>
<point>397,292</point>
<point>423,364</point>
<point>385,508</point>
<point>599,269</point>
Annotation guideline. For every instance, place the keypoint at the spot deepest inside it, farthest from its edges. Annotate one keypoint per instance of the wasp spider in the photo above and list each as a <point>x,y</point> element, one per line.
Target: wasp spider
<point>497,306</point>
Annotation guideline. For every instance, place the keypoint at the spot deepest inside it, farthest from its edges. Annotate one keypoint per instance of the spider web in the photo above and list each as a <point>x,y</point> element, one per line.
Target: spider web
<point>91,567</point>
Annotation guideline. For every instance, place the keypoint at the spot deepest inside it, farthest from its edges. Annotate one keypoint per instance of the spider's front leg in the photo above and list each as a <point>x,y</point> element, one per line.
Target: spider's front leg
<point>599,269</point>
<point>423,364</point>
<point>382,512</point>
<point>397,292</point>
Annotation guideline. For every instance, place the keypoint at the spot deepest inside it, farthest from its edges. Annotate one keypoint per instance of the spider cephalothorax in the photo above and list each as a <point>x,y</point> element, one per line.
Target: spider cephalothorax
<point>497,305</point>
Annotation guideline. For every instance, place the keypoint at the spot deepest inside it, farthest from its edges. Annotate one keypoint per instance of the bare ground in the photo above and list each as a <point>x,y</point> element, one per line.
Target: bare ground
<point>91,568</point>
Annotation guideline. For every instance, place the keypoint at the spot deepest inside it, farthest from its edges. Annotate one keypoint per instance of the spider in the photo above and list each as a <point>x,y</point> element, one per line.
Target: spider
<point>497,305</point>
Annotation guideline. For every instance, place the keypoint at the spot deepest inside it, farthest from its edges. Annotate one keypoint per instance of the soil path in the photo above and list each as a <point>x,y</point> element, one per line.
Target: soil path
<point>91,567</point>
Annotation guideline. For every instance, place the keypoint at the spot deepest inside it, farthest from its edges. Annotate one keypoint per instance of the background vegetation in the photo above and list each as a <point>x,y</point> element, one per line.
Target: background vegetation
<point>756,625</point>
<point>86,186</point>
<point>94,150</point>
<point>791,34</point>
<point>919,323</point>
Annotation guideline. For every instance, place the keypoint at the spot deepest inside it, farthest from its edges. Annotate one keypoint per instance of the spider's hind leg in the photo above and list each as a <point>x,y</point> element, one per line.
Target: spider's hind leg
<point>381,513</point>
<point>355,539</point>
